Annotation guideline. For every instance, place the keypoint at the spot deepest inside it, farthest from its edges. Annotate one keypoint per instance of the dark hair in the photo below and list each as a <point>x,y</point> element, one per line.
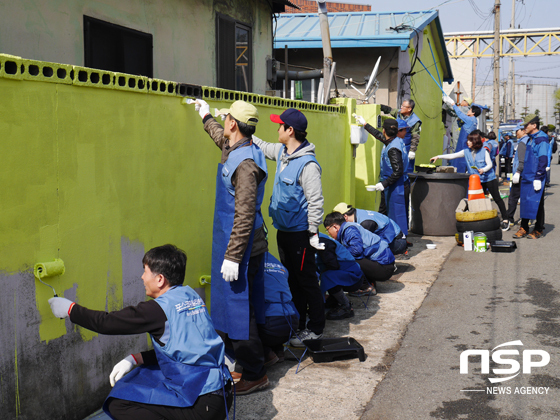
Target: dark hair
<point>411,104</point>
<point>300,135</point>
<point>245,129</point>
<point>476,110</point>
<point>169,261</point>
<point>544,129</point>
<point>334,218</point>
<point>491,135</point>
<point>351,211</point>
<point>477,132</point>
<point>476,140</point>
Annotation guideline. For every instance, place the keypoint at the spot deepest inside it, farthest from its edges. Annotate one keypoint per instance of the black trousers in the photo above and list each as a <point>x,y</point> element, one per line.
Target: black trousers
<point>494,190</point>
<point>298,256</point>
<point>539,223</point>
<point>249,353</point>
<point>374,271</point>
<point>276,331</point>
<point>514,194</point>
<point>206,407</point>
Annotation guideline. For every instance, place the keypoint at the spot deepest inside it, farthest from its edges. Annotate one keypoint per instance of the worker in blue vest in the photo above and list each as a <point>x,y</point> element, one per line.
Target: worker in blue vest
<point>239,239</point>
<point>371,252</point>
<point>517,170</point>
<point>533,179</point>
<point>296,209</point>
<point>413,124</point>
<point>506,152</point>
<point>377,223</point>
<point>339,272</point>
<point>184,376</point>
<point>545,130</point>
<point>470,123</point>
<point>493,147</point>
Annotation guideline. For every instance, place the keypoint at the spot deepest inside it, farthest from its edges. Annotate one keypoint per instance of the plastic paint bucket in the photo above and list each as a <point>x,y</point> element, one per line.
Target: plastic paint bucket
<point>479,242</point>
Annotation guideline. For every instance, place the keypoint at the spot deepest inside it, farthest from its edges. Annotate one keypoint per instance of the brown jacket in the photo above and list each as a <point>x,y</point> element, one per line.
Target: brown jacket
<point>246,179</point>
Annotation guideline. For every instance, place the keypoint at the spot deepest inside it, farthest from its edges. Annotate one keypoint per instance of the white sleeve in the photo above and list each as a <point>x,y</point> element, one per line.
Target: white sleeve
<point>456,155</point>
<point>488,161</point>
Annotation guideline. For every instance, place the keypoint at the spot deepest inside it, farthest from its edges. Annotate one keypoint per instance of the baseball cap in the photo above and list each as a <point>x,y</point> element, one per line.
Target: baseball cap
<point>468,100</point>
<point>402,124</point>
<point>519,126</point>
<point>293,117</point>
<point>390,123</point>
<point>529,118</point>
<point>342,208</point>
<point>242,111</point>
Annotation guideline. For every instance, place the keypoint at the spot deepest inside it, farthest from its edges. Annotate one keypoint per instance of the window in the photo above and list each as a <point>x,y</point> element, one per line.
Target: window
<point>234,53</point>
<point>115,48</point>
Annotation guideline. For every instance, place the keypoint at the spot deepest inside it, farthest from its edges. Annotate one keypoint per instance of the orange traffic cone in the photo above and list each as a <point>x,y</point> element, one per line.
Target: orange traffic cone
<point>475,188</point>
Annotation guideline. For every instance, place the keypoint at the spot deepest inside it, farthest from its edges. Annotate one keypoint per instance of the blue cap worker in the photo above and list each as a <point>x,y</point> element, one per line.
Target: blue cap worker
<point>238,239</point>
<point>470,123</point>
<point>393,179</point>
<point>517,171</point>
<point>296,209</point>
<point>377,223</point>
<point>184,374</point>
<point>370,251</point>
<point>533,179</point>
<point>339,272</point>
<point>413,126</point>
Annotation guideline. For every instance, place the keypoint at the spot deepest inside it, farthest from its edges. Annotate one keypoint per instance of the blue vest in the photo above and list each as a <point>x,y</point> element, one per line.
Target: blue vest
<point>480,162</point>
<point>515,165</point>
<point>374,248</point>
<point>386,228</point>
<point>493,150</point>
<point>469,125</point>
<point>410,122</point>
<point>191,362</point>
<point>349,272</point>
<point>386,169</point>
<point>277,295</point>
<point>288,205</point>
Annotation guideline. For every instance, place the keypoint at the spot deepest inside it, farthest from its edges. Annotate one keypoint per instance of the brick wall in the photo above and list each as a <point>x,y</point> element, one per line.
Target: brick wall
<point>308,6</point>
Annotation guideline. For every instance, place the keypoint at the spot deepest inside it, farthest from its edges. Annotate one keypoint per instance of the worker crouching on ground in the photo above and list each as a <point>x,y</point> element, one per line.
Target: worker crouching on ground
<point>184,376</point>
<point>370,251</point>
<point>339,272</point>
<point>377,223</point>
<point>478,162</point>
<point>393,179</point>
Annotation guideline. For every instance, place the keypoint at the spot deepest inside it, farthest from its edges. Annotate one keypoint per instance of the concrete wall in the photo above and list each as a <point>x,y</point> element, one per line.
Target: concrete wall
<point>184,32</point>
<point>96,175</point>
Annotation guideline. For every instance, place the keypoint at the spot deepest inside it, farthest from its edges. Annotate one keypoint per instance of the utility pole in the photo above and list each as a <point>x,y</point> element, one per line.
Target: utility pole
<point>510,114</point>
<point>496,101</point>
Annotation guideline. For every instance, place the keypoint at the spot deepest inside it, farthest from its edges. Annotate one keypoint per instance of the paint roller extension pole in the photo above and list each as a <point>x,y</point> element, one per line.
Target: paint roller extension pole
<point>435,81</point>
<point>49,269</point>
<point>434,58</point>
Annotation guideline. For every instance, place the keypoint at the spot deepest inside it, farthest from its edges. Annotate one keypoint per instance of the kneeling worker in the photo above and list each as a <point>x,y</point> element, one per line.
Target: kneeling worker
<point>370,251</point>
<point>184,376</point>
<point>376,223</point>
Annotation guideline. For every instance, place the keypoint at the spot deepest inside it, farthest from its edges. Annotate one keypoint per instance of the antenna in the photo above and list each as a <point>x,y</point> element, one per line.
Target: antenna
<point>372,86</point>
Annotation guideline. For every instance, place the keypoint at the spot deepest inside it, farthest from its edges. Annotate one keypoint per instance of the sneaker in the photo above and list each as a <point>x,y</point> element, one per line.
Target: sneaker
<point>340,313</point>
<point>521,233</point>
<point>244,387</point>
<point>504,225</point>
<point>370,291</point>
<point>535,234</point>
<point>306,334</point>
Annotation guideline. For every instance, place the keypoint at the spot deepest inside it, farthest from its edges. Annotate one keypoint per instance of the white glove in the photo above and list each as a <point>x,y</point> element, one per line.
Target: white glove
<point>314,242</point>
<point>60,306</point>
<point>537,185</point>
<point>360,120</point>
<point>447,100</point>
<point>121,369</point>
<point>230,270</point>
<point>515,178</point>
<point>379,186</point>
<point>411,155</point>
<point>548,168</point>
<point>202,107</point>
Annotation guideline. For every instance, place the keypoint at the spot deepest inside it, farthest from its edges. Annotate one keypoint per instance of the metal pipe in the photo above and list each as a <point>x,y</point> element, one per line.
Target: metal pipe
<point>300,75</point>
<point>328,87</point>
<point>326,40</point>
<point>312,90</point>
<point>287,71</point>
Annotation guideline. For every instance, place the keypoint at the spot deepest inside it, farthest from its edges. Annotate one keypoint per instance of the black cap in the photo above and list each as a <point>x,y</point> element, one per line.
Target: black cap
<point>390,123</point>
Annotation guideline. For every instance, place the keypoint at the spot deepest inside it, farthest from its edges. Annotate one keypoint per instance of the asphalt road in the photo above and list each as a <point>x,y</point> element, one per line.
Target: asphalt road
<point>478,302</point>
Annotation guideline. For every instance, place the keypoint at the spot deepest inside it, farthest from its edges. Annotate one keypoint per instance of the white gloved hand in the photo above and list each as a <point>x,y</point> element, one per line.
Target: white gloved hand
<point>121,369</point>
<point>447,100</point>
<point>60,306</point>
<point>515,178</point>
<point>537,185</point>
<point>230,270</point>
<point>379,186</point>
<point>547,168</point>
<point>314,242</point>
<point>360,120</point>
<point>202,107</point>
<point>411,155</point>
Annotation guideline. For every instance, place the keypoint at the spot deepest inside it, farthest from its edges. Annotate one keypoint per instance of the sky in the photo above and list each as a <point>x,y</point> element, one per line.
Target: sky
<point>476,15</point>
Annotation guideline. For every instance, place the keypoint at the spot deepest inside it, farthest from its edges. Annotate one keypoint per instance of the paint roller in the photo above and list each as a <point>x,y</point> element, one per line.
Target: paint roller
<point>48,270</point>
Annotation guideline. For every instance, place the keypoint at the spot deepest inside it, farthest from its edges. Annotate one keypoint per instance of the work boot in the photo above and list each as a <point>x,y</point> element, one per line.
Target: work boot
<point>535,234</point>
<point>341,312</point>
<point>244,387</point>
<point>521,233</point>
<point>270,359</point>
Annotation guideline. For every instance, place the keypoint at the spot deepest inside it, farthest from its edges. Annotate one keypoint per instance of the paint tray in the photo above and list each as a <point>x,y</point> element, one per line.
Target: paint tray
<point>331,349</point>
<point>503,246</point>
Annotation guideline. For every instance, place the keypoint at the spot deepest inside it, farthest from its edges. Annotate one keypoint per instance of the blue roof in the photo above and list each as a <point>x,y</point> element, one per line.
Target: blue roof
<point>359,30</point>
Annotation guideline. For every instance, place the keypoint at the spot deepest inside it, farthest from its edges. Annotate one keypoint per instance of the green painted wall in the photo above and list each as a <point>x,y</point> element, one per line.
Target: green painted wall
<point>96,176</point>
